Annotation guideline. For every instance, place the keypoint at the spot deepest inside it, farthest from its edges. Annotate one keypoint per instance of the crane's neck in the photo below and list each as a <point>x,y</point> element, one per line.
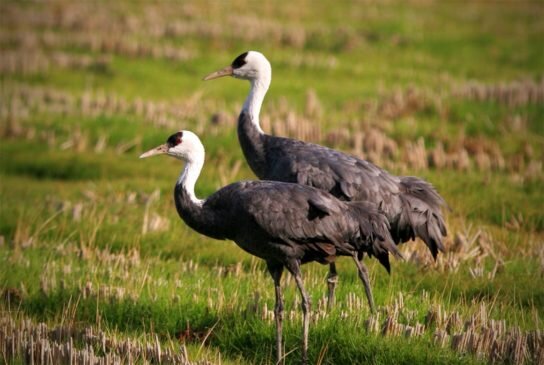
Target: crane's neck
<point>188,177</point>
<point>189,207</point>
<point>192,210</point>
<point>252,140</point>
<point>254,101</point>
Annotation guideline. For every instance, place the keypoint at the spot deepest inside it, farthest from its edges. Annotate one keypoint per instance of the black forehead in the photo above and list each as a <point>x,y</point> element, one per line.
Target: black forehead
<point>174,139</point>
<point>239,61</point>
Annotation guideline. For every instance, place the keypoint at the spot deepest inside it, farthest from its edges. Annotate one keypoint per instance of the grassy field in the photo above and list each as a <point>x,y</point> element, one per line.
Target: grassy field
<point>93,256</point>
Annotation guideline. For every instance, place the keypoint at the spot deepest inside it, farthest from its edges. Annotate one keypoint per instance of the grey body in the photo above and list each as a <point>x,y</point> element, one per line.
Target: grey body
<point>412,206</point>
<point>280,222</point>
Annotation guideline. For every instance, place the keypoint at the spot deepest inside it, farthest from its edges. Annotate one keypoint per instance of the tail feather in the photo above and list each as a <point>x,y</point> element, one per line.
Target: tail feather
<point>374,229</point>
<point>421,215</point>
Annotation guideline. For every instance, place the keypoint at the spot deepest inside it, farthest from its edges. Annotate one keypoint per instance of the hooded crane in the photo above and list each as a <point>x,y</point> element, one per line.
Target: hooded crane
<point>412,205</point>
<point>282,223</point>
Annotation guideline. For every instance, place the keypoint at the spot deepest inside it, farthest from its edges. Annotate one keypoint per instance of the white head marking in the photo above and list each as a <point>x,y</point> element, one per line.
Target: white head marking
<point>185,145</point>
<point>253,66</point>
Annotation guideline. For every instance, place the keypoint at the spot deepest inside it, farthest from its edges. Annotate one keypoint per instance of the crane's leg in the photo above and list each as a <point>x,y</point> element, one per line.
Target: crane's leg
<point>363,275</point>
<point>294,269</point>
<point>332,279</point>
<point>276,271</point>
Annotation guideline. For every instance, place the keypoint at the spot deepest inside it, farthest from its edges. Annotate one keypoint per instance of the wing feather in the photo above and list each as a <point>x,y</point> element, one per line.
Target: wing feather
<point>412,206</point>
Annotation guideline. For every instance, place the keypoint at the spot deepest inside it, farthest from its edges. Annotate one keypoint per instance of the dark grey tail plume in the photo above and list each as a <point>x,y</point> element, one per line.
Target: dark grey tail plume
<point>375,227</point>
<point>421,215</point>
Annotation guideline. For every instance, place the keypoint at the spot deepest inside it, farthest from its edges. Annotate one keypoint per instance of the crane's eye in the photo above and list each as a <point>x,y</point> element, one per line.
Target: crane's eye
<point>174,139</point>
<point>239,61</point>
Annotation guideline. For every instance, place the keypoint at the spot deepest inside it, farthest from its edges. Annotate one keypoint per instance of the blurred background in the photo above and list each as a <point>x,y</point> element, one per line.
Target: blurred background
<point>89,236</point>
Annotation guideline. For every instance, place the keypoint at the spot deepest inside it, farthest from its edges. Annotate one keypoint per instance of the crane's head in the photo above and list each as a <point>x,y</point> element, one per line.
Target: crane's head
<point>251,65</point>
<point>183,145</point>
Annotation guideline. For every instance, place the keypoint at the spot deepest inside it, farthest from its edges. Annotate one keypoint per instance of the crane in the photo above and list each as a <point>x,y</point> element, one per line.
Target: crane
<point>412,206</point>
<point>284,224</point>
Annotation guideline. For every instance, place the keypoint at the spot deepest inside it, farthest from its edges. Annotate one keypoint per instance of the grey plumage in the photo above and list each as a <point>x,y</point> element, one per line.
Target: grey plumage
<point>279,221</point>
<point>412,206</point>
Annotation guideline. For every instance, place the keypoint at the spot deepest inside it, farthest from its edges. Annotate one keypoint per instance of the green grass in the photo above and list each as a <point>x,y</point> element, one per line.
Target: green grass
<point>72,212</point>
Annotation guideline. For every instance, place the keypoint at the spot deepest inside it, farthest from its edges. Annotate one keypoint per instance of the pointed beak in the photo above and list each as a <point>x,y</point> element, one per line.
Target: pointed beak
<point>227,71</point>
<point>160,150</point>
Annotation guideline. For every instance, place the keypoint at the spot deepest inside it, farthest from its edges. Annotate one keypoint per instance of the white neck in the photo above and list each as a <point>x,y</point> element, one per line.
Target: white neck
<point>188,177</point>
<point>254,101</point>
